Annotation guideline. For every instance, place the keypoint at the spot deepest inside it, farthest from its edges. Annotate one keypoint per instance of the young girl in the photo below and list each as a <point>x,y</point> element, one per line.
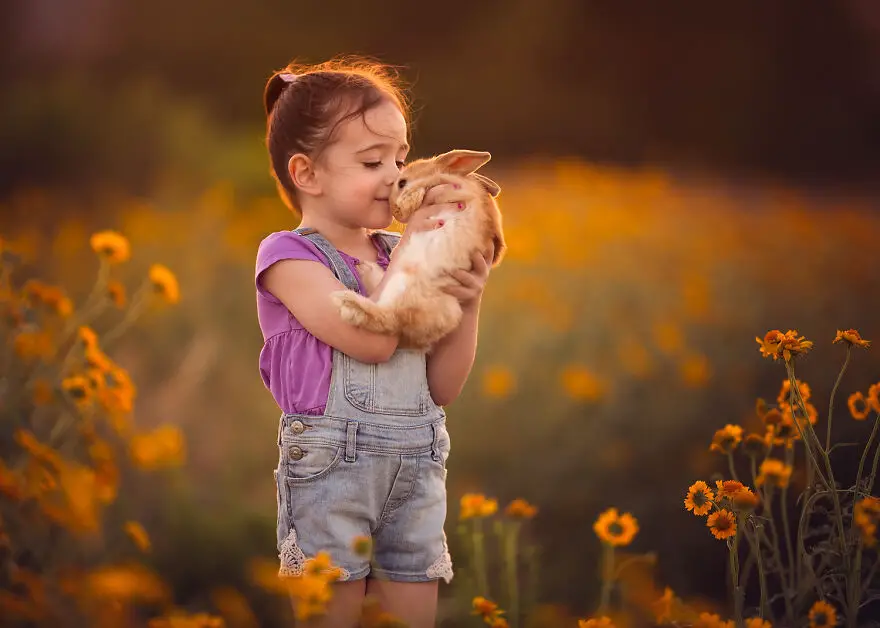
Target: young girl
<point>362,438</point>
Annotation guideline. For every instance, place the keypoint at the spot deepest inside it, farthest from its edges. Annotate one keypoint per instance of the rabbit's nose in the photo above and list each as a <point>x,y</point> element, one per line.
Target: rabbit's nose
<point>401,184</point>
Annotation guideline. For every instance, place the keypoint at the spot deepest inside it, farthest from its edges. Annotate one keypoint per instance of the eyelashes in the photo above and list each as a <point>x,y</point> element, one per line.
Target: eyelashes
<point>372,165</point>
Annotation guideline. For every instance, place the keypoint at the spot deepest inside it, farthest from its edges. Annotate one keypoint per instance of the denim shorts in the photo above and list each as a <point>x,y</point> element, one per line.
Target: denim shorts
<point>340,479</point>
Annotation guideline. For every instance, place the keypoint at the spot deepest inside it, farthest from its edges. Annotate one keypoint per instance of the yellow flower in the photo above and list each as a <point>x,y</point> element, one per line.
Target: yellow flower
<point>599,622</point>
<point>78,388</point>
<point>874,397</point>
<point>116,293</point>
<point>726,439</point>
<point>520,509</point>
<point>87,337</point>
<point>722,524</point>
<point>663,607</point>
<point>728,488</point>
<point>164,446</point>
<point>774,472</point>
<point>581,384</point>
<point>711,620</point>
<point>111,245</point>
<point>788,345</point>
<point>858,406</point>
<point>31,345</point>
<point>498,382</point>
<point>164,283</point>
<point>614,529</point>
<point>822,614</point>
<point>852,338</point>
<point>745,500</point>
<point>181,619</point>
<point>362,546</point>
<point>784,392</point>
<point>866,516</point>
<point>125,582</point>
<point>136,533</point>
<point>477,505</point>
<point>485,608</point>
<point>699,498</point>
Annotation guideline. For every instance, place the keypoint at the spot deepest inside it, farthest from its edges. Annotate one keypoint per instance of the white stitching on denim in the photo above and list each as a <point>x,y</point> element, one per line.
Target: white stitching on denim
<point>292,557</point>
<point>442,567</point>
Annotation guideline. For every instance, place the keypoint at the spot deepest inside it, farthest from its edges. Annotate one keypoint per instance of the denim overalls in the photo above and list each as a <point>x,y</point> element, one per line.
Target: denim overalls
<point>374,465</point>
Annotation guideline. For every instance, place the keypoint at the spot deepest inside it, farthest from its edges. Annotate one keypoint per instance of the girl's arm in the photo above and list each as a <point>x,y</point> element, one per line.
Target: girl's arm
<point>452,358</point>
<point>304,287</point>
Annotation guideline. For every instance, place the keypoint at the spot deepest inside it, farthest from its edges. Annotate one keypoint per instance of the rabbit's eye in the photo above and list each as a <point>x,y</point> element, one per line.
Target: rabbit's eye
<point>401,184</point>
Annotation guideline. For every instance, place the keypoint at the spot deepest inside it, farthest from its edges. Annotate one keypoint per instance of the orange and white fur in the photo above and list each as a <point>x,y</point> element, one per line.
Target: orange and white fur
<point>413,304</point>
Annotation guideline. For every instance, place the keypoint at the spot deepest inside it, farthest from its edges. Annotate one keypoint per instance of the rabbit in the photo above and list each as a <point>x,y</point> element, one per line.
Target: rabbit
<point>413,304</point>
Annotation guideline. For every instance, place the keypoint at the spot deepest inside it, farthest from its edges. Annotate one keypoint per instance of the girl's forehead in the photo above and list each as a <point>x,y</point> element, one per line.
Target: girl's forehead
<point>381,124</point>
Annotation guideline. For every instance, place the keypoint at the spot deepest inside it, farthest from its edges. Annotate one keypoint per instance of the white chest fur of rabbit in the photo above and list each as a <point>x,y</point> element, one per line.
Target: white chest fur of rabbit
<point>413,304</point>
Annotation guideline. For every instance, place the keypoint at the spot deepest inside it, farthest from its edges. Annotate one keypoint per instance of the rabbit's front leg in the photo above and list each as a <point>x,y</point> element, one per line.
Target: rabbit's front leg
<point>364,313</point>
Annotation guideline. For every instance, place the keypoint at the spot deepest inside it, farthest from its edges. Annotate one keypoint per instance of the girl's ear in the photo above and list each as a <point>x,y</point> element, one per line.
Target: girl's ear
<point>302,173</point>
<point>491,187</point>
<point>462,161</point>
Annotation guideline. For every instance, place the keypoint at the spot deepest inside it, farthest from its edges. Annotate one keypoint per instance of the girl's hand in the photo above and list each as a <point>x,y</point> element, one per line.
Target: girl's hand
<point>470,283</point>
<point>439,199</point>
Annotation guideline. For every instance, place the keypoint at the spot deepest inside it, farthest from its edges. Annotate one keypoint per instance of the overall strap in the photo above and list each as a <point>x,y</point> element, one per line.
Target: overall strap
<point>388,240</point>
<point>337,264</point>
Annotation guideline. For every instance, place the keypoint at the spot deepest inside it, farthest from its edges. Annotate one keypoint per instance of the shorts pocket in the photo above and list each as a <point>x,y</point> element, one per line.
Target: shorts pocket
<point>306,462</point>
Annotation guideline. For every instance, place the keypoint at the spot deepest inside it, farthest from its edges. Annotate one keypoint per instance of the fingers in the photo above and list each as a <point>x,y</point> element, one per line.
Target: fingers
<point>445,193</point>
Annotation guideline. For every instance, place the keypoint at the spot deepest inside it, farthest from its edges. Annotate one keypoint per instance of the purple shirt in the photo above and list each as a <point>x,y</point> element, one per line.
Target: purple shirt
<point>294,365</point>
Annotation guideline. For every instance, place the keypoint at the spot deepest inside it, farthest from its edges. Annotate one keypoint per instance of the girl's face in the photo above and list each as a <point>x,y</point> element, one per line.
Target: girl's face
<point>357,170</point>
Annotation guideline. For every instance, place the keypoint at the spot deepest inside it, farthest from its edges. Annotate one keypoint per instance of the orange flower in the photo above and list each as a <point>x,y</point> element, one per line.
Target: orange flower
<point>116,293</point>
<point>745,500</point>
<point>874,397</point>
<point>520,509</point>
<point>774,472</point>
<point>581,384</point>
<point>614,529</point>
<point>596,622</point>
<point>165,283</point>
<point>711,620</point>
<point>773,417</point>
<point>866,516</point>
<point>111,246</point>
<point>487,609</point>
<point>858,406</point>
<point>822,614</point>
<point>699,498</point>
<point>477,505</point>
<point>726,439</point>
<point>663,607</point>
<point>498,382</point>
<point>136,532</point>
<point>722,524</point>
<point>362,546</point>
<point>788,345</point>
<point>784,392</point>
<point>757,622</point>
<point>852,338</point>
<point>728,488</point>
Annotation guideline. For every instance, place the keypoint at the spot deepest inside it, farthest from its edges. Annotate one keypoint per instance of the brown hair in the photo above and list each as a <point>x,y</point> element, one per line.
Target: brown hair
<point>306,103</point>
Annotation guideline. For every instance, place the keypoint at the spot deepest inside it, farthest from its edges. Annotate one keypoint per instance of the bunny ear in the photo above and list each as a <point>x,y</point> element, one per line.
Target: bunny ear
<point>491,187</point>
<point>462,161</point>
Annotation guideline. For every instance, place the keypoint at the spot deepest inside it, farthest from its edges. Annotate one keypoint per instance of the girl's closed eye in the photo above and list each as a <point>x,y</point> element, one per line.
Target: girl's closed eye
<point>375,164</point>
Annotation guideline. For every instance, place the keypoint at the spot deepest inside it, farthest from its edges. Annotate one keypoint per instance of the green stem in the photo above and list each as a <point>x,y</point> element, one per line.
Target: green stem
<point>870,485</point>
<point>834,392</point>
<point>139,302</point>
<point>607,577</point>
<point>774,545</point>
<point>480,558</point>
<point>786,527</point>
<point>511,539</point>
<point>734,579</point>
<point>832,488</point>
<point>763,609</point>
<point>733,475</point>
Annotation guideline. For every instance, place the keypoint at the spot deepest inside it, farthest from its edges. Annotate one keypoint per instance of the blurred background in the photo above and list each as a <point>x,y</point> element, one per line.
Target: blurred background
<point>677,178</point>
